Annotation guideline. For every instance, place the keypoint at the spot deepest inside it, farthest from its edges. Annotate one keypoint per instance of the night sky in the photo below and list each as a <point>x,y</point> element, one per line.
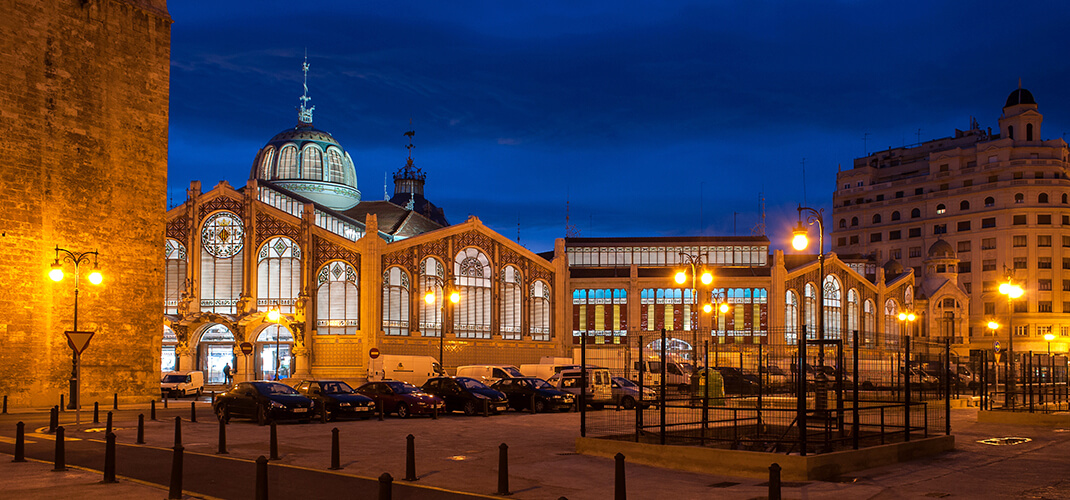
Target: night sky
<point>649,118</point>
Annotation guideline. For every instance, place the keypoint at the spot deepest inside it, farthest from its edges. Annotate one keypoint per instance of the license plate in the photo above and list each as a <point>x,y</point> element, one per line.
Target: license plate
<point>300,410</point>
<point>361,408</point>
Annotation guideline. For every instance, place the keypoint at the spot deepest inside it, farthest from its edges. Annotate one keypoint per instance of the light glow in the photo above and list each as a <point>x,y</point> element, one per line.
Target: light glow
<point>1049,337</point>
<point>95,277</point>
<point>993,325</point>
<point>724,308</point>
<point>455,297</point>
<point>707,308</point>
<point>429,297</point>
<point>707,278</point>
<point>681,277</point>
<point>56,273</point>
<point>800,241</point>
<point>273,315</point>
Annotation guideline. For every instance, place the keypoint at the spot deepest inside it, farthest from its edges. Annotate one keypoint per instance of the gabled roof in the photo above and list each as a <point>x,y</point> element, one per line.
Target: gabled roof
<point>393,219</point>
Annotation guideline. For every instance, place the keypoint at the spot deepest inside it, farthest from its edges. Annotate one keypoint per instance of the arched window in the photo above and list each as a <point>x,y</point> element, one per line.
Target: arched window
<point>175,280</point>
<point>396,299</point>
<point>895,215</point>
<point>432,277</point>
<point>540,310</point>
<point>265,162</point>
<point>215,350</point>
<point>791,318</point>
<point>1028,131</point>
<point>833,308</point>
<point>891,324</point>
<point>222,239</point>
<point>278,274</point>
<point>337,305</point>
<point>1019,198</point>
<point>854,221</point>
<point>940,209</point>
<point>843,223</point>
<point>915,213</point>
<point>852,315</point>
<point>810,311</point>
<point>335,165</point>
<point>964,205</point>
<point>348,173</point>
<point>876,218</point>
<point>510,300</point>
<point>990,201</point>
<point>287,168</point>
<point>869,322</point>
<point>312,163</point>
<point>1042,198</point>
<point>168,358</point>
<point>472,278</point>
<point>1010,131</point>
<point>1064,198</point>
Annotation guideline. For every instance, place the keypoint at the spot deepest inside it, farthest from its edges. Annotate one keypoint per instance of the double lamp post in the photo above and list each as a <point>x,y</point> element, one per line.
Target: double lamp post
<point>94,277</point>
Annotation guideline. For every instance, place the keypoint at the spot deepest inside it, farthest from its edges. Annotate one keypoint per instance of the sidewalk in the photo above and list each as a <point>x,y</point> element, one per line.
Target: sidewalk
<point>36,480</point>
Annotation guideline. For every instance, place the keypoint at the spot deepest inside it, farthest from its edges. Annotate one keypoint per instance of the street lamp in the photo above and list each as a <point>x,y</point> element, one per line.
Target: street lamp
<point>94,277</point>
<point>429,298</point>
<point>273,316</point>
<point>698,273</point>
<point>1012,291</point>
<point>800,241</point>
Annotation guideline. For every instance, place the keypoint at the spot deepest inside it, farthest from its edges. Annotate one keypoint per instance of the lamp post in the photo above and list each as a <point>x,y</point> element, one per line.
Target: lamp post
<point>429,298</point>
<point>1051,364</point>
<point>94,277</point>
<point>906,319</point>
<point>273,315</point>
<point>1012,291</point>
<point>800,241</point>
<point>697,263</point>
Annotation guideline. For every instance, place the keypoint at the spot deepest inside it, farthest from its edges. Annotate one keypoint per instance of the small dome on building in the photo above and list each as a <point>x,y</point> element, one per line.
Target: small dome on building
<point>1019,96</point>
<point>893,268</point>
<point>941,250</point>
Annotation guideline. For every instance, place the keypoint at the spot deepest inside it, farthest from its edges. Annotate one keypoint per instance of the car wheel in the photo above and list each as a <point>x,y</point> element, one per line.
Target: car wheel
<point>262,416</point>
<point>222,413</point>
<point>540,405</point>
<point>627,402</point>
<point>470,408</point>
<point>182,394</point>
<point>403,410</point>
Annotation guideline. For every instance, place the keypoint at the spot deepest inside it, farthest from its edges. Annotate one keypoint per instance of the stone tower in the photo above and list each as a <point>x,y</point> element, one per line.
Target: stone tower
<point>84,90</point>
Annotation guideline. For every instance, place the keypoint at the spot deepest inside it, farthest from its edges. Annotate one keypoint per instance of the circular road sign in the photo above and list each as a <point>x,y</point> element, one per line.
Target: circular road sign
<point>997,346</point>
<point>246,348</point>
<point>374,352</point>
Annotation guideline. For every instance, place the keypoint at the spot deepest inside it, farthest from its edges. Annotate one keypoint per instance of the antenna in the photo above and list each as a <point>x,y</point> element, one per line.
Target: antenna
<point>804,181</point>
<point>386,195</point>
<point>865,144</point>
<point>571,231</point>
<point>701,224</point>
<point>919,136</point>
<point>759,229</point>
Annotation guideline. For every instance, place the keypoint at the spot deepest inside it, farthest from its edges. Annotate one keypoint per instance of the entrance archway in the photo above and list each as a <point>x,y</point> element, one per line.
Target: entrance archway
<point>215,350</point>
<point>673,347</point>
<point>273,347</point>
<point>168,358</point>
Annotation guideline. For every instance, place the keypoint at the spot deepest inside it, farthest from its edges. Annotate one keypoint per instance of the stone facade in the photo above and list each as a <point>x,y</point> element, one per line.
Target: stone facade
<point>83,155</point>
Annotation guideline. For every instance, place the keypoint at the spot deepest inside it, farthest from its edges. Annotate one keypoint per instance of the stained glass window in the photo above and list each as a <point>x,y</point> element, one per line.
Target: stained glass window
<point>510,303</point>
<point>222,237</point>
<point>175,281</point>
<point>395,301</point>
<point>278,274</point>
<point>312,163</point>
<point>287,168</point>
<point>472,279</point>
<point>432,277</point>
<point>833,307</point>
<point>540,310</point>
<point>337,307</point>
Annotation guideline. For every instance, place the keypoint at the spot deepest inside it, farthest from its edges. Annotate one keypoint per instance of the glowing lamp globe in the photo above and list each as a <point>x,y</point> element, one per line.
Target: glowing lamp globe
<point>707,308</point>
<point>993,325</point>
<point>430,297</point>
<point>95,277</point>
<point>455,297</point>
<point>707,278</point>
<point>273,315</point>
<point>681,277</point>
<point>1015,291</point>
<point>911,317</point>
<point>1049,337</point>
<point>1003,287</point>
<point>56,274</point>
<point>902,316</point>
<point>724,308</point>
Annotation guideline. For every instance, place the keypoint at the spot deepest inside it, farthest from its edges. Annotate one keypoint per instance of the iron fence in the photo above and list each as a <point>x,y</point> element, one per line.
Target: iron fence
<point>1021,381</point>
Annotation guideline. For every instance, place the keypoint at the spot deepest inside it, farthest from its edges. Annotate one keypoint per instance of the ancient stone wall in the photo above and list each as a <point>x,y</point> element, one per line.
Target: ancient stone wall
<point>83,165</point>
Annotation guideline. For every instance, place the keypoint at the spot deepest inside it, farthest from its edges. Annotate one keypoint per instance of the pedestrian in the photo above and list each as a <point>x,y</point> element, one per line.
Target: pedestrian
<point>227,374</point>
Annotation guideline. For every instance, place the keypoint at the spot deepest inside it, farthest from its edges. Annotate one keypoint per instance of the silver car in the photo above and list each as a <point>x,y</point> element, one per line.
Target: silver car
<point>626,393</point>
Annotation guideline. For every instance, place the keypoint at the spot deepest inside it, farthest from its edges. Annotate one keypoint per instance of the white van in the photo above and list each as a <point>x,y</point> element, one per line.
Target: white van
<point>489,374</point>
<point>545,370</point>
<point>599,390</point>
<point>182,383</point>
<point>412,369</point>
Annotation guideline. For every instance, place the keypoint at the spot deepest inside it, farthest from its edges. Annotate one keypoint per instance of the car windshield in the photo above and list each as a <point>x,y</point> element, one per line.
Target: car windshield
<point>539,383</point>
<point>269,388</point>
<point>174,379</point>
<point>403,388</point>
<point>623,382</point>
<point>471,383</point>
<point>335,388</point>
<point>776,370</point>
<point>513,372</point>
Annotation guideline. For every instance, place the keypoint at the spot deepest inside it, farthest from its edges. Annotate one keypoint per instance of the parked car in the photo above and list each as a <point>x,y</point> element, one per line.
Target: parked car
<point>263,401</point>
<point>626,393</point>
<point>776,378</point>
<point>736,382</point>
<point>336,399</point>
<point>402,398</point>
<point>520,391</point>
<point>182,383</point>
<point>489,374</point>
<point>466,394</point>
<point>599,391</point>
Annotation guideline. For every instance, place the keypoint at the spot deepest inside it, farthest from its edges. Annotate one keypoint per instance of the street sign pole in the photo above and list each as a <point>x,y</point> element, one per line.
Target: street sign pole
<point>78,342</point>
<point>77,385</point>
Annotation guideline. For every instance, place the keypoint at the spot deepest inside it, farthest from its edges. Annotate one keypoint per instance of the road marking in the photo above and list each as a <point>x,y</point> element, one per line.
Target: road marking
<point>5,439</point>
<point>51,437</point>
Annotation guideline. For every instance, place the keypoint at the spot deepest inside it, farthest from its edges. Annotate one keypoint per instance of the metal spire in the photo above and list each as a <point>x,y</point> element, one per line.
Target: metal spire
<point>304,114</point>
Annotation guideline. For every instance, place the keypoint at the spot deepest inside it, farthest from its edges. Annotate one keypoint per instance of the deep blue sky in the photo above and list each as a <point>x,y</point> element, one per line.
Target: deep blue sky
<point>637,112</point>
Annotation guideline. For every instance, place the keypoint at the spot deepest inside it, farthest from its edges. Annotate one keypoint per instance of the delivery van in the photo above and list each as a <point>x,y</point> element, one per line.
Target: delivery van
<point>489,374</point>
<point>179,384</point>
<point>412,369</point>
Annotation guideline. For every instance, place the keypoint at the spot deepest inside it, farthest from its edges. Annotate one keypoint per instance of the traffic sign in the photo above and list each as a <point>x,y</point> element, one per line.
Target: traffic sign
<point>374,352</point>
<point>997,347</point>
<point>246,348</point>
<point>78,341</point>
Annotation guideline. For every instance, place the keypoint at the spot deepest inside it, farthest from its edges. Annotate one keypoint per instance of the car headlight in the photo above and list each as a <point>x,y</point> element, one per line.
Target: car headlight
<point>276,404</point>
<point>343,404</point>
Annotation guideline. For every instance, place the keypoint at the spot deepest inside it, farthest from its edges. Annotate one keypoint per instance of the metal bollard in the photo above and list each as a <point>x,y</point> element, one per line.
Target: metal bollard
<point>410,458</point>
<point>109,424</point>
<point>178,431</point>
<point>152,410</point>
<point>503,469</point>
<point>486,407</point>
<point>774,481</point>
<point>336,459</point>
<point>274,442</point>
<point>323,415</point>
<point>261,478</point>
<point>620,491</point>
<point>193,411</point>
<point>222,438</point>
<point>385,485</point>
<point>53,419</point>
<point>175,491</point>
<point>532,403</point>
<point>165,401</point>
<point>62,407</point>
<point>96,412</point>
<point>59,459</point>
<point>115,401</point>
<point>434,411</point>
<point>5,403</point>
<point>382,408</point>
<point>20,442</point>
<point>140,428</point>
<point>109,458</point>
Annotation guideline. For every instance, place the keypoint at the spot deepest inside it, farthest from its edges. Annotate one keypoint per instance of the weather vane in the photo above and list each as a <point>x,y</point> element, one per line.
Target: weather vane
<point>304,114</point>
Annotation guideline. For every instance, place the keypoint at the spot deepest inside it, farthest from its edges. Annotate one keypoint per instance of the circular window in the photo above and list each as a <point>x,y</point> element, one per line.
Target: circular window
<point>222,235</point>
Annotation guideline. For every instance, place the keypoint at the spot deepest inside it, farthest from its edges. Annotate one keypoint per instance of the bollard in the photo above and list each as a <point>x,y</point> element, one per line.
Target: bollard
<point>486,407</point>
<point>152,410</point>
<point>336,459</point>
<point>140,428</point>
<point>620,491</point>
<point>774,481</point>
<point>503,469</point>
<point>96,412</point>
<point>274,442</point>
<point>434,411</point>
<point>532,403</point>
<point>193,411</point>
<point>109,457</point>
<point>20,442</point>
<point>5,403</point>
<point>410,458</point>
<point>62,407</point>
<point>59,459</point>
<point>53,419</point>
<point>261,478</point>
<point>165,401</point>
<point>109,424</point>
<point>323,415</point>
<point>175,491</point>
<point>222,438</point>
<point>178,431</point>
<point>382,408</point>
<point>385,485</point>
<point>115,401</point>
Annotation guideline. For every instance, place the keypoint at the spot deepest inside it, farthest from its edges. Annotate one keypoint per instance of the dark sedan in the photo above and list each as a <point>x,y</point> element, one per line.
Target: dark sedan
<point>337,399</point>
<point>522,391</point>
<point>466,394</point>
<point>264,402</point>
<point>403,398</point>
